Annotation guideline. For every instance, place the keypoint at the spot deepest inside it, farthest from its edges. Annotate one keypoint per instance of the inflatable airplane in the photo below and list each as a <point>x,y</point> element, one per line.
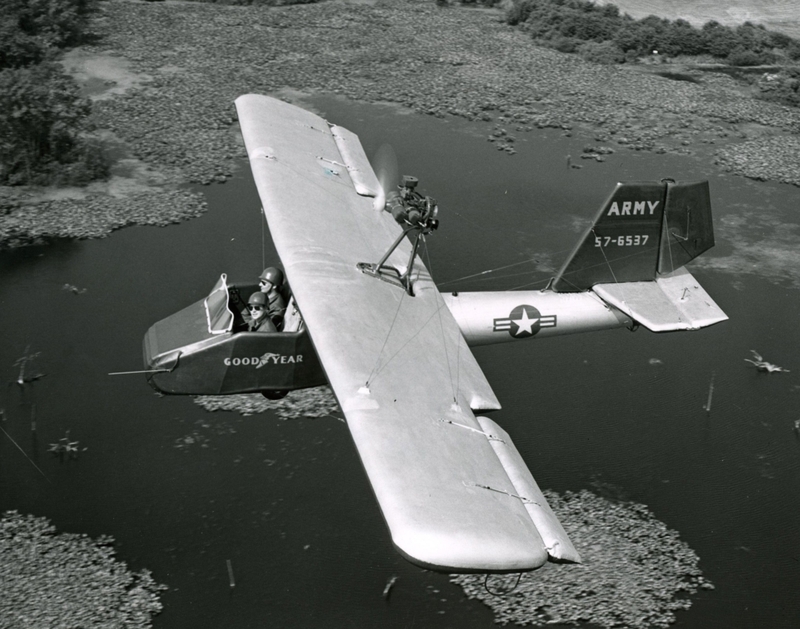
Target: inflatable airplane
<point>365,316</point>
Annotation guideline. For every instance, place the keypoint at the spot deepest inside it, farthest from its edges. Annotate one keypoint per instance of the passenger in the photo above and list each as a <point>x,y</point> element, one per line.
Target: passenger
<point>270,282</point>
<point>257,318</point>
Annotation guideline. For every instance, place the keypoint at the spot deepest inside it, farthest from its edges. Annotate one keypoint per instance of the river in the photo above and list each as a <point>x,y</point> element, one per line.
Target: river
<point>287,502</point>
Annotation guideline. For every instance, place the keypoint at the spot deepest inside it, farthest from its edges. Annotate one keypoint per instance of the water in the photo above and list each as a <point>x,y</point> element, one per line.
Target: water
<point>288,502</point>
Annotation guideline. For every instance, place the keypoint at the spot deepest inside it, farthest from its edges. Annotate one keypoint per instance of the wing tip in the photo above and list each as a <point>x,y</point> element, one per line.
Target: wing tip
<point>472,567</point>
<point>457,554</point>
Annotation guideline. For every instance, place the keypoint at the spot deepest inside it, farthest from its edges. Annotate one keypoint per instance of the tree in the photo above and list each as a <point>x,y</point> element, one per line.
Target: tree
<point>17,48</point>
<point>718,40</point>
<point>60,22</point>
<point>41,117</point>
<point>680,38</point>
<point>637,38</point>
<point>32,30</point>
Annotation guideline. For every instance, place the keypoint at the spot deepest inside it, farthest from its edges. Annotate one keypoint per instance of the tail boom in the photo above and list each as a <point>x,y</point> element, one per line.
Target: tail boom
<point>500,317</point>
<point>626,270</point>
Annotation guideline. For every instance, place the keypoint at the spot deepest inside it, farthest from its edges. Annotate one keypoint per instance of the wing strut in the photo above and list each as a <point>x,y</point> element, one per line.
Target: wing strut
<point>389,273</point>
<point>418,216</point>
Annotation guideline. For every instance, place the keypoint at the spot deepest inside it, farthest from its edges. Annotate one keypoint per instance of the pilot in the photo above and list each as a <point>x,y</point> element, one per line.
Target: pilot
<point>257,317</point>
<point>270,282</point>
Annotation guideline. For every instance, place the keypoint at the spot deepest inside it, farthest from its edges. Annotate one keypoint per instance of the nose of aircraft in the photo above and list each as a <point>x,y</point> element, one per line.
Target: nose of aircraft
<point>168,339</point>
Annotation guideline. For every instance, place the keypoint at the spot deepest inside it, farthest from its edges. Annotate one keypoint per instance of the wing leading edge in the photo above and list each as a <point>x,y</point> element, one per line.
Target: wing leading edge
<point>453,489</point>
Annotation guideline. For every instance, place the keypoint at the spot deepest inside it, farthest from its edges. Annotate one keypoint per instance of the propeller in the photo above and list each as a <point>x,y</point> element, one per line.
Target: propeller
<point>388,173</point>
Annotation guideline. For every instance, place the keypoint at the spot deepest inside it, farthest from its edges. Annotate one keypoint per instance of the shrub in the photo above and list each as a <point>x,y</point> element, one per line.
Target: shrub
<point>743,57</point>
<point>793,50</point>
<point>601,52</point>
<point>518,12</point>
<point>565,44</point>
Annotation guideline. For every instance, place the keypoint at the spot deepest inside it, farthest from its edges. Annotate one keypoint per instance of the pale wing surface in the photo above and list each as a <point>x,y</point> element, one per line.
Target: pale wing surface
<point>398,364</point>
<point>674,301</point>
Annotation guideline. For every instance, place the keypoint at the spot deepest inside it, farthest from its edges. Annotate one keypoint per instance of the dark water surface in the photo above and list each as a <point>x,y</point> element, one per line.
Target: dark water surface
<point>288,502</point>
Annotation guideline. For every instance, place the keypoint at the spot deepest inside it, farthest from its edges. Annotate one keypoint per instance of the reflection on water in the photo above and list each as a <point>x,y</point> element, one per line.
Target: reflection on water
<point>287,501</point>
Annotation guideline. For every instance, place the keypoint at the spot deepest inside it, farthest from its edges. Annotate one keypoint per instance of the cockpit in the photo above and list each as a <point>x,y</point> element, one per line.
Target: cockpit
<point>227,309</point>
<point>211,348</point>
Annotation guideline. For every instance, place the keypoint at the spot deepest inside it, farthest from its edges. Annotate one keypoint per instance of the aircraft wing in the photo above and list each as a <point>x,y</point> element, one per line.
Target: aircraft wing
<point>453,489</point>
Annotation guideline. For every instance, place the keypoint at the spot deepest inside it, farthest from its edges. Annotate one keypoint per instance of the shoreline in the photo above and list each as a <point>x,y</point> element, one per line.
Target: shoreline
<point>165,105</point>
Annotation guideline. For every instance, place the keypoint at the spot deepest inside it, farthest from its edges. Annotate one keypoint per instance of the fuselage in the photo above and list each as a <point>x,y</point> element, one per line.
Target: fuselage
<point>184,357</point>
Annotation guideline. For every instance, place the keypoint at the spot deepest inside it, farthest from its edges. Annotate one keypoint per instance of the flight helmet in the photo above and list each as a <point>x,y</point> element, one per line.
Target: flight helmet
<point>273,275</point>
<point>257,299</point>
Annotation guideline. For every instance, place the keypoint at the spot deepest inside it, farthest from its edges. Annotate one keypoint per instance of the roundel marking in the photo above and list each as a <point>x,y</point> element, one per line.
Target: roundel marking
<point>525,321</point>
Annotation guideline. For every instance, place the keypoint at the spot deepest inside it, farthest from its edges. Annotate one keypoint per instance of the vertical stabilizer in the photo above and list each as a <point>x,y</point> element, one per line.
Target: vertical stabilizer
<point>622,244</point>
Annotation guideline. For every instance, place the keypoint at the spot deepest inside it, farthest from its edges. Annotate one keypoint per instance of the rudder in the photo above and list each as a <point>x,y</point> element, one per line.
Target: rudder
<point>688,228</point>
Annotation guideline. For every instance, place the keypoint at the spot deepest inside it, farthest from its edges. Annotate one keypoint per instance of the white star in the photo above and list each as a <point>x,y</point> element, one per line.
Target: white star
<point>525,324</point>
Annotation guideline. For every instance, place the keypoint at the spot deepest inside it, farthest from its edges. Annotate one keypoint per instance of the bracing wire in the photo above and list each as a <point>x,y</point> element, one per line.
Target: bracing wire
<point>263,237</point>
<point>669,248</point>
<point>408,340</point>
<point>441,324</point>
<point>375,369</point>
<point>616,281</point>
<point>486,272</point>
<point>608,264</point>
<point>532,285</point>
<point>25,455</point>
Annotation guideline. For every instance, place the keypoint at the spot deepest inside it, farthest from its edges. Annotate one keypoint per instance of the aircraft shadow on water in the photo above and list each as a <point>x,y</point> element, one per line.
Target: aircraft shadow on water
<point>454,491</point>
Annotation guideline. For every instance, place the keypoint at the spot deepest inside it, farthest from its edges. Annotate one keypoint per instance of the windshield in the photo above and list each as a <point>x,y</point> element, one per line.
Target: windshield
<point>218,314</point>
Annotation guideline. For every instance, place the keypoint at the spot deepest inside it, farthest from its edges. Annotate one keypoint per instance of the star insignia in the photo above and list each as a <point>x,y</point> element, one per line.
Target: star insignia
<point>524,321</point>
<point>525,324</point>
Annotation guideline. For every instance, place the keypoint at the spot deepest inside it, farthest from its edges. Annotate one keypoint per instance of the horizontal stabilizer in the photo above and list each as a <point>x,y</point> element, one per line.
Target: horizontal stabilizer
<point>674,301</point>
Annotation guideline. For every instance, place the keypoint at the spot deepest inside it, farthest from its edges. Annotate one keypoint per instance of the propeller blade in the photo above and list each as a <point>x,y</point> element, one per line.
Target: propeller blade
<point>388,173</point>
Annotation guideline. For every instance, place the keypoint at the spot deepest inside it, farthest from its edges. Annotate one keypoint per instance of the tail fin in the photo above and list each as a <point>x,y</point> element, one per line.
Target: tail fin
<point>641,231</point>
